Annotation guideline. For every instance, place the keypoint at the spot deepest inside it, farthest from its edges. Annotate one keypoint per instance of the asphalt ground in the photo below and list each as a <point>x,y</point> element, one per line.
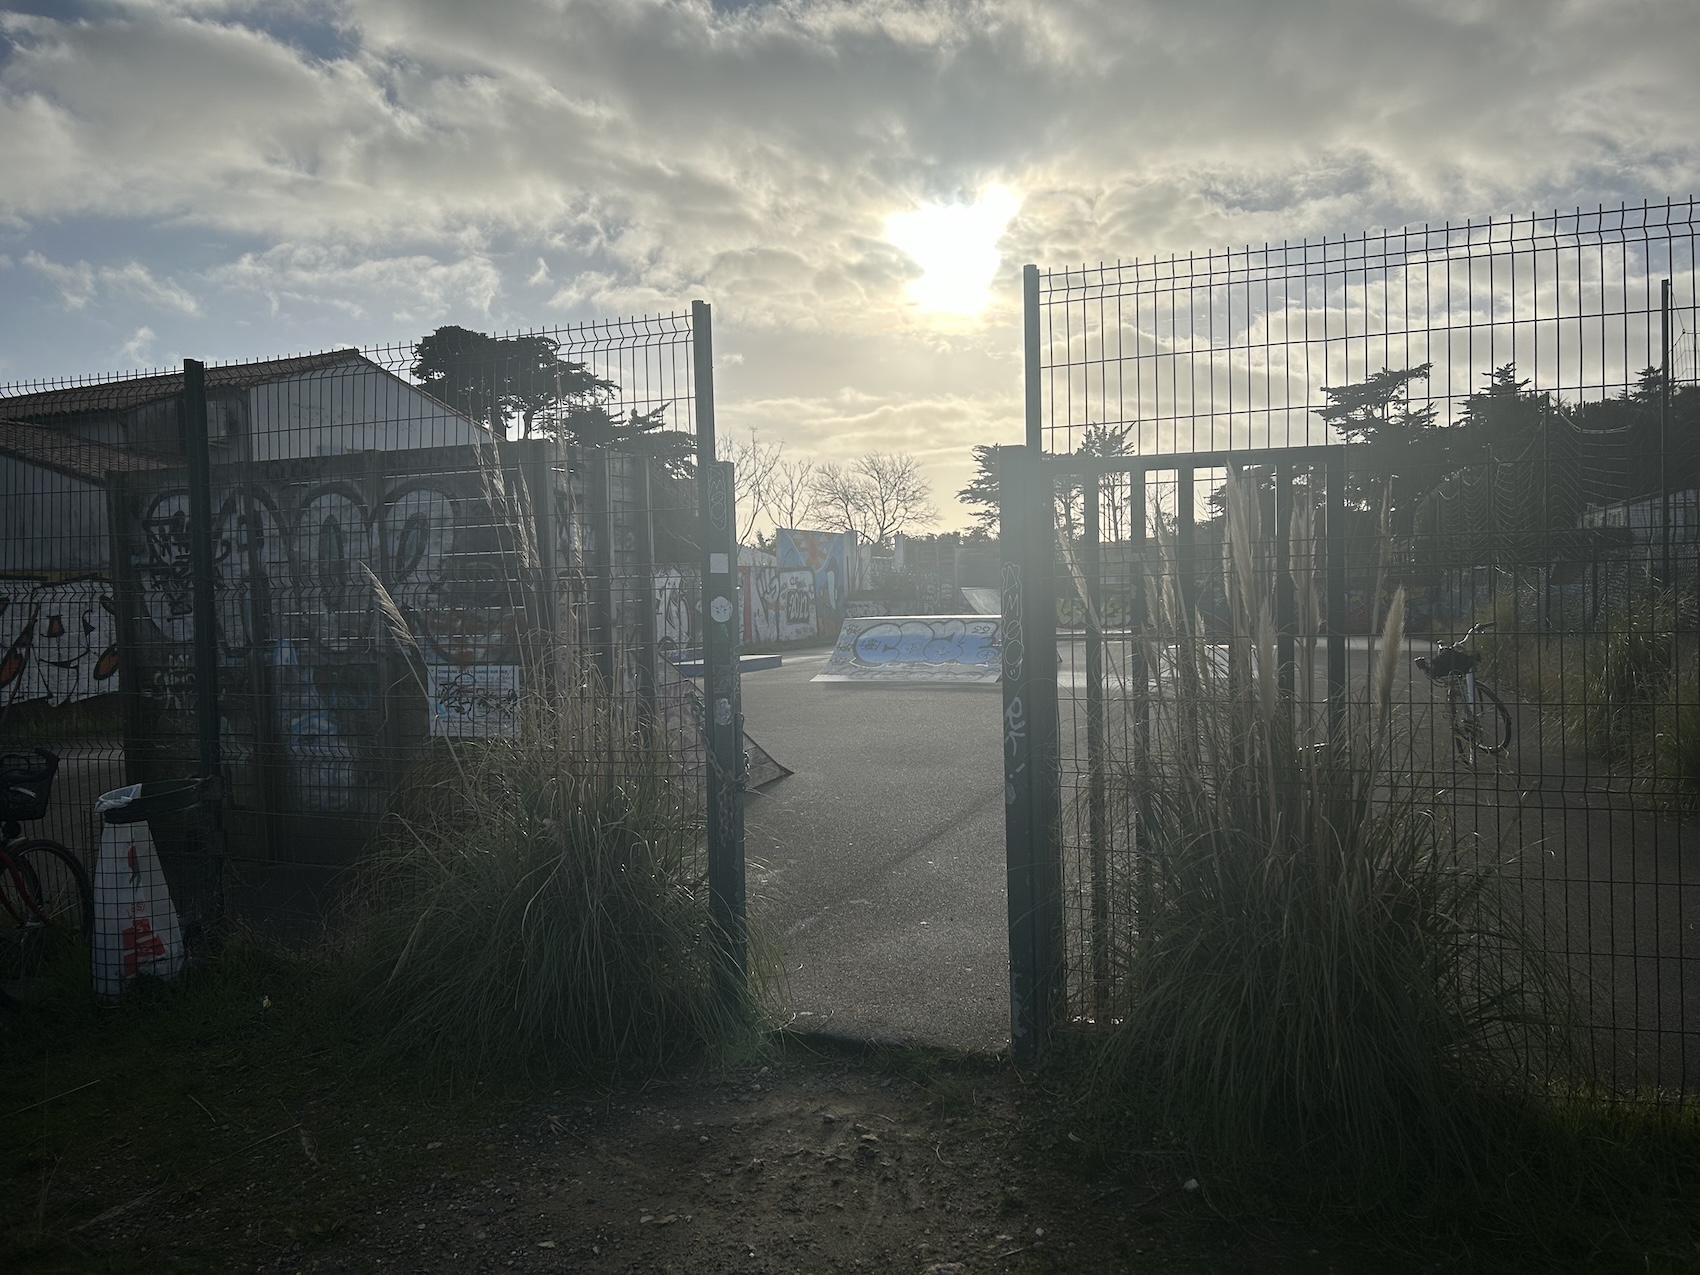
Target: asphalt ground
<point>878,865</point>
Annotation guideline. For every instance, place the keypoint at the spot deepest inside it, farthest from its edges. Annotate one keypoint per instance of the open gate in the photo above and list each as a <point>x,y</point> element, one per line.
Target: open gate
<point>1498,423</point>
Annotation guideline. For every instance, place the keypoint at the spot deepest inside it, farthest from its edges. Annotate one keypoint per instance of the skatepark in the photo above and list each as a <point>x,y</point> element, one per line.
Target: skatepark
<point>878,866</point>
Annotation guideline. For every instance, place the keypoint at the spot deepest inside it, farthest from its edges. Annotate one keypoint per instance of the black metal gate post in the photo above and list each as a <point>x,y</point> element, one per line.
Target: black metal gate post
<point>1032,842</point>
<point>1097,817</point>
<point>599,487</point>
<point>1334,602</point>
<point>206,613</point>
<point>647,670</point>
<point>1667,505</point>
<point>1139,680</point>
<point>723,724</point>
<point>1186,550</point>
<point>1285,610</point>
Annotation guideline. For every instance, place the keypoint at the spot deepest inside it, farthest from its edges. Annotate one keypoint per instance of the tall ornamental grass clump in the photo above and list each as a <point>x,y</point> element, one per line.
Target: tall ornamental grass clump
<point>1323,979</point>
<point>539,904</point>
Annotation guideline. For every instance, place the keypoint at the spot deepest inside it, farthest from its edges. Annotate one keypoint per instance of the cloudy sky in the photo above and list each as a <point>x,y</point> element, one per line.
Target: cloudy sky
<point>853,185</point>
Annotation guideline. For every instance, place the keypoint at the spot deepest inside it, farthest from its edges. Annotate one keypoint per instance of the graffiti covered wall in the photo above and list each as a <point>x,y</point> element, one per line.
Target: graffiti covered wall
<point>758,585</point>
<point>357,608</point>
<point>59,638</point>
<point>830,557</point>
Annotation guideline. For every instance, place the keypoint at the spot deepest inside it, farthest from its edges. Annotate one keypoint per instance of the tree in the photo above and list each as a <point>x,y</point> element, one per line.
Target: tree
<point>771,490</point>
<point>1406,454</point>
<point>492,378</point>
<point>877,496</point>
<point>790,492</point>
<point>754,465</point>
<point>982,489</point>
<point>1113,488</point>
<point>897,497</point>
<point>640,434</point>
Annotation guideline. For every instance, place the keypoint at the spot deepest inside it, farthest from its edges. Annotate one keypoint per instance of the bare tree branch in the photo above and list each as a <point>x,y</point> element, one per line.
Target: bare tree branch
<point>756,467</point>
<point>790,496</point>
<point>877,496</point>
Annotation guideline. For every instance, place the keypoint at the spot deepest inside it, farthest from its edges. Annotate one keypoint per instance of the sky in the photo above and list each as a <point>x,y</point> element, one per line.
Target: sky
<point>854,187</point>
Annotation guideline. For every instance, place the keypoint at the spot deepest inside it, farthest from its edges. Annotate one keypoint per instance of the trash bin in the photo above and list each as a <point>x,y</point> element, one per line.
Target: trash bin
<point>136,928</point>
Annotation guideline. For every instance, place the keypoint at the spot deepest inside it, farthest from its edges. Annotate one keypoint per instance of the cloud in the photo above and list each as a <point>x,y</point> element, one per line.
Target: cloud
<point>80,283</point>
<point>356,163</point>
<point>134,352</point>
<point>416,288</point>
<point>664,142</point>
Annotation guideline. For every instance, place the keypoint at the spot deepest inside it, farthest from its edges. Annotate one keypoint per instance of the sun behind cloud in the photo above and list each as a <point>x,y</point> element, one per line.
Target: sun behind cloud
<point>956,246</point>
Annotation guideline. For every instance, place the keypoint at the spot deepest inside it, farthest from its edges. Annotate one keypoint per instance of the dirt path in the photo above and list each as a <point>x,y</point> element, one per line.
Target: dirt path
<point>812,1161</point>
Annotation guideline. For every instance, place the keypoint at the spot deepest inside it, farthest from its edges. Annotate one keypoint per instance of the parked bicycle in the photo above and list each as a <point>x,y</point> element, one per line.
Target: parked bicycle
<point>1480,720</point>
<point>46,898</point>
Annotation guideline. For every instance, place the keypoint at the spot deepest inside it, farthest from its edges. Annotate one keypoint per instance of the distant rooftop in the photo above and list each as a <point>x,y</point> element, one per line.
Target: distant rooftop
<point>120,395</point>
<point>52,449</point>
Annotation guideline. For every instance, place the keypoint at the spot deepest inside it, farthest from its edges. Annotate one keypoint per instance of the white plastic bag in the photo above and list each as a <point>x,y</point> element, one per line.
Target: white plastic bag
<point>135,925</point>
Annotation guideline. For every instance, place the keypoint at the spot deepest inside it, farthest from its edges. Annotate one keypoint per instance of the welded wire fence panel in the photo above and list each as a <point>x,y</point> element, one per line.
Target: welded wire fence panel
<point>416,547</point>
<point>1526,456</point>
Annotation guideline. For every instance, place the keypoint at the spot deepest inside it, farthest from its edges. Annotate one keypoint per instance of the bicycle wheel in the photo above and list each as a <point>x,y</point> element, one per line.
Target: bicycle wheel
<point>1493,722</point>
<point>58,923</point>
<point>1461,721</point>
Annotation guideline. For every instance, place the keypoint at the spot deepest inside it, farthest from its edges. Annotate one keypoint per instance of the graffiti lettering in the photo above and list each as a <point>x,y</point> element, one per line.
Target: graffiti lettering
<point>916,649</point>
<point>1014,724</point>
<point>1012,630</point>
<point>60,641</point>
<point>481,701</point>
<point>797,596</point>
<point>926,642</point>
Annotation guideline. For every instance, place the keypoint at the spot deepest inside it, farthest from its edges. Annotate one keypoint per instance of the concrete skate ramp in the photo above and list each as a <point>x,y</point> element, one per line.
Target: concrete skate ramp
<point>918,650</point>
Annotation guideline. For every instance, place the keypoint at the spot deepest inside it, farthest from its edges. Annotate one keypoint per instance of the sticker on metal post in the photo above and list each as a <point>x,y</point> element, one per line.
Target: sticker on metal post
<point>722,712</point>
<point>720,609</point>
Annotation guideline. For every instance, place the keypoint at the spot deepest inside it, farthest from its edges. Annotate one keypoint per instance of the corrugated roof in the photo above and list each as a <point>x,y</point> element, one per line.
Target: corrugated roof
<point>120,395</point>
<point>51,449</point>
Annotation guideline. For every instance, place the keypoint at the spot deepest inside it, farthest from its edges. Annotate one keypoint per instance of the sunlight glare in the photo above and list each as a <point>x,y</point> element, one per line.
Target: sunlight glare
<point>956,246</point>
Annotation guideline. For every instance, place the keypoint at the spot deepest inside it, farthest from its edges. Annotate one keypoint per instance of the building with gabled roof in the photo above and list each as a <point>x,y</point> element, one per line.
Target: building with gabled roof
<point>276,409</point>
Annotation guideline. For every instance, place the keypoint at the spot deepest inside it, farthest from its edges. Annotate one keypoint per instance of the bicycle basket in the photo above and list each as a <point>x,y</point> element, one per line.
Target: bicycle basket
<point>26,784</point>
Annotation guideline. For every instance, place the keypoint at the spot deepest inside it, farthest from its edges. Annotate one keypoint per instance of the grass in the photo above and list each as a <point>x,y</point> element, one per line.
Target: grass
<point>1322,988</point>
<point>1626,691</point>
<point>538,904</point>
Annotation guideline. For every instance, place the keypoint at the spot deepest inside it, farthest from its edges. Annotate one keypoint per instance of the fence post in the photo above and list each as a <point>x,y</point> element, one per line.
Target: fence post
<point>1097,816</point>
<point>1139,682</point>
<point>644,592</point>
<point>1031,779</point>
<point>206,613</point>
<point>1032,355</point>
<point>1285,610</point>
<point>599,487</point>
<point>1186,550</point>
<point>723,724</point>
<point>1335,600</point>
<point>1667,505</point>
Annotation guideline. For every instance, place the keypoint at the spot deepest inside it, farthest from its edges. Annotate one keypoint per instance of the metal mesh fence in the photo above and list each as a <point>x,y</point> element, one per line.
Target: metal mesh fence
<point>412,544</point>
<point>1524,454</point>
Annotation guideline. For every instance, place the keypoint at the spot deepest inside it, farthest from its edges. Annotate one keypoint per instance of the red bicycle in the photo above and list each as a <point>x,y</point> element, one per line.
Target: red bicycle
<point>46,897</point>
